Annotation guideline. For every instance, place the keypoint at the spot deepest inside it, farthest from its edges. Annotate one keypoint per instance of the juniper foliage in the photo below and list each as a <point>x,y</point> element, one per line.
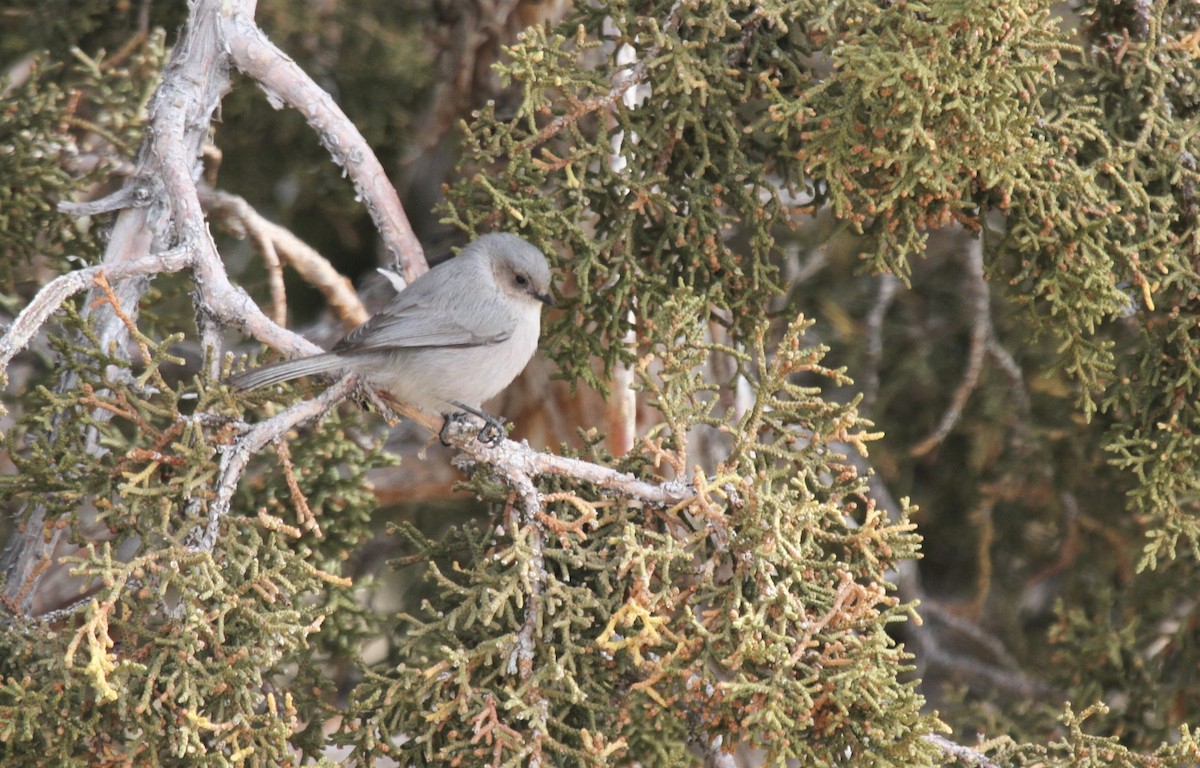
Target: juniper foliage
<point>667,154</point>
<point>180,654</point>
<point>757,614</point>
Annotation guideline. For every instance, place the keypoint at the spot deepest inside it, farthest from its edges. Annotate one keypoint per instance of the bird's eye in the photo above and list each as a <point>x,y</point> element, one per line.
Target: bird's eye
<point>522,280</point>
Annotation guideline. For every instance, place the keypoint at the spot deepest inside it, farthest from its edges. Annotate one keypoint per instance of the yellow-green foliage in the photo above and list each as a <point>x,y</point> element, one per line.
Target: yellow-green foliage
<point>43,161</point>
<point>756,613</point>
<point>607,631</point>
<point>180,655</point>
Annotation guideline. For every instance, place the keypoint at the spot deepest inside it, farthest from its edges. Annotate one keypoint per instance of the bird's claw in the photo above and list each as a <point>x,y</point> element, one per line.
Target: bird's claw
<point>492,431</point>
<point>447,418</point>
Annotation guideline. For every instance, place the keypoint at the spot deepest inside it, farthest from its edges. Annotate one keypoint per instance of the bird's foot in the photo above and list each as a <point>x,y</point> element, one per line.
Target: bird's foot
<point>491,433</point>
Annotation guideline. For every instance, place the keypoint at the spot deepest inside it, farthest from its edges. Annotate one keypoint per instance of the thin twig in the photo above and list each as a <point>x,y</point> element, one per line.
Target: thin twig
<point>934,611</point>
<point>959,751</point>
<point>992,677</point>
<point>274,267</point>
<point>981,331</point>
<point>1016,386</point>
<point>888,285</point>
<point>304,513</point>
<point>316,270</point>
<point>636,75</point>
<point>236,456</point>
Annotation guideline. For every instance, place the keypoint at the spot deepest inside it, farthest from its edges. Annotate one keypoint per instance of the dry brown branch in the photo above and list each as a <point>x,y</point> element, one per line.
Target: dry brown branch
<point>304,513</point>
<point>985,526</point>
<point>994,670</point>
<point>271,238</point>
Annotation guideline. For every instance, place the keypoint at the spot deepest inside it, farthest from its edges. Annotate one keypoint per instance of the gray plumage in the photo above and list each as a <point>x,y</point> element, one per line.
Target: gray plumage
<point>459,334</point>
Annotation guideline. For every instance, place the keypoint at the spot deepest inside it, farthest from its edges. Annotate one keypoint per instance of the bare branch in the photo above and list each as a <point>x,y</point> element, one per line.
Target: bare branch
<point>959,751</point>
<point>981,331</point>
<point>888,285</point>
<point>236,456</point>
<point>240,216</point>
<point>165,218</point>
<point>286,83</point>
<point>129,196</point>
<point>1016,381</point>
<point>512,459</point>
<point>53,294</point>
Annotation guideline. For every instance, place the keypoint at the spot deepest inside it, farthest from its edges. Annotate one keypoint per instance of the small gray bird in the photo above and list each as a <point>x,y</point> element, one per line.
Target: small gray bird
<point>455,337</point>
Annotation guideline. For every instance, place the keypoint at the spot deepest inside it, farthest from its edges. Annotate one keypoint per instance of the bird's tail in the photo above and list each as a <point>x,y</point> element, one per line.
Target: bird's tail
<point>286,370</point>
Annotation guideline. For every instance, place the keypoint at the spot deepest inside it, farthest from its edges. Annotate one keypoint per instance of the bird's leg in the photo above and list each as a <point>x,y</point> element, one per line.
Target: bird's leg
<point>493,430</point>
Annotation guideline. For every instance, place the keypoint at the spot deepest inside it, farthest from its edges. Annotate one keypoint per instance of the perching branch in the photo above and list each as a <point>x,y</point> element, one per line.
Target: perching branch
<point>512,460</point>
<point>163,228</point>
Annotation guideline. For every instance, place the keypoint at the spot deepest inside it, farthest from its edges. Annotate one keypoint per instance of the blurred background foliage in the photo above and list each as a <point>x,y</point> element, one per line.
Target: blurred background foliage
<point>786,153</point>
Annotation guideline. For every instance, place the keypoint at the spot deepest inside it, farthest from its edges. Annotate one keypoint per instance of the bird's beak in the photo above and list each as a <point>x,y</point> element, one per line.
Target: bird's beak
<point>545,298</point>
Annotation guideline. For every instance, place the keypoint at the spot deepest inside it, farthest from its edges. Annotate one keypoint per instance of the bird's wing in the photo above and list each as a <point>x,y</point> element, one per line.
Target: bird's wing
<point>412,325</point>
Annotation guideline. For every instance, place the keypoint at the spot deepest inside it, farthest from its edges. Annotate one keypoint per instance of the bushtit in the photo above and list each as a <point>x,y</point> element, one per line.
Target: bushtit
<point>455,337</point>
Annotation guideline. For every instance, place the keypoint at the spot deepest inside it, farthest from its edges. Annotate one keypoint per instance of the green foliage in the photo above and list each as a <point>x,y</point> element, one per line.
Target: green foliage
<point>181,654</point>
<point>1140,665</point>
<point>1080,749</point>
<point>756,612</point>
<point>1150,104</point>
<point>60,26</point>
<point>667,154</point>
<point>30,125</point>
<point>930,114</point>
<point>641,198</point>
<point>1157,440</point>
<point>64,126</point>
